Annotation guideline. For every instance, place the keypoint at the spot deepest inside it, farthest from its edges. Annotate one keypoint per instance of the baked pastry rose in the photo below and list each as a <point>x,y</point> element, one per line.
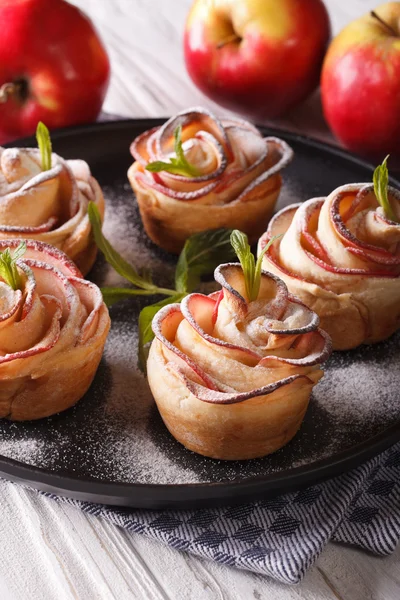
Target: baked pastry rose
<point>231,377</point>
<point>53,327</point>
<point>48,205</point>
<point>341,257</point>
<point>205,174</point>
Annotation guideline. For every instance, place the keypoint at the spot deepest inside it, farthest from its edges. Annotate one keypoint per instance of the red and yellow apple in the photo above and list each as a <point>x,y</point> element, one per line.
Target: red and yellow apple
<point>258,57</point>
<point>53,67</point>
<point>360,85</point>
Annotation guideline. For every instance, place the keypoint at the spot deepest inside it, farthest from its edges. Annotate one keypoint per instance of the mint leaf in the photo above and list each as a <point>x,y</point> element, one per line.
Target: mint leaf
<point>112,256</point>
<point>146,334</point>
<point>251,269</point>
<point>201,254</point>
<point>178,165</point>
<point>241,246</point>
<point>111,295</point>
<point>44,143</point>
<point>381,180</point>
<point>180,155</point>
<point>157,166</point>
<point>258,268</point>
<point>8,267</point>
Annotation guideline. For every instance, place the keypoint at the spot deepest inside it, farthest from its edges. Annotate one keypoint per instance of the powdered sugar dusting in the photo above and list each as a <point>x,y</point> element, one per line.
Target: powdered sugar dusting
<point>116,434</point>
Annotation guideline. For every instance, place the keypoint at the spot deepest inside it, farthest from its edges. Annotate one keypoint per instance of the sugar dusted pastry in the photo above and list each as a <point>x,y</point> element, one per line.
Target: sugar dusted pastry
<point>232,377</point>
<point>341,256</point>
<point>53,327</point>
<point>48,205</point>
<point>196,172</point>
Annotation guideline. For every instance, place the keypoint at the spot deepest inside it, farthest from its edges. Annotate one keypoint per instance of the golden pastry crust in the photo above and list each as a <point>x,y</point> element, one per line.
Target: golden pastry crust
<point>49,206</point>
<point>232,379</point>
<point>52,334</point>
<point>238,186</point>
<point>341,257</point>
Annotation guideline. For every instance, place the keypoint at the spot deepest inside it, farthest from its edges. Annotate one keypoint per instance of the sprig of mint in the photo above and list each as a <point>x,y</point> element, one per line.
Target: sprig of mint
<point>123,268</point>
<point>44,143</point>
<point>381,181</point>
<point>202,253</point>
<point>8,267</point>
<point>251,269</point>
<point>178,165</point>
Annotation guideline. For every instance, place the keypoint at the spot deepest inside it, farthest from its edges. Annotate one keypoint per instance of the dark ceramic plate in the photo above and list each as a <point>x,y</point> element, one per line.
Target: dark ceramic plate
<point>113,447</point>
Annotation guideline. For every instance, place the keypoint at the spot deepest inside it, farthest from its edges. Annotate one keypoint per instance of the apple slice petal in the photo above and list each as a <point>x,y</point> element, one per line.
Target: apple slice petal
<point>362,199</point>
<point>47,342</point>
<point>280,154</point>
<point>198,118</point>
<point>218,297</point>
<point>213,379</point>
<point>198,310</point>
<point>234,182</point>
<point>246,322</point>
<point>213,147</point>
<point>250,144</point>
<point>17,231</point>
<point>36,250</point>
<point>230,277</point>
<point>176,194</point>
<point>218,397</point>
<point>17,166</point>
<point>139,148</point>
<point>51,205</point>
<point>341,258</point>
<point>165,325</point>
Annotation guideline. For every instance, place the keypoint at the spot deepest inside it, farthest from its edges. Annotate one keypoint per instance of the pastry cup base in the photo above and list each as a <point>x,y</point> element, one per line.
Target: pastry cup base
<point>86,259</point>
<point>232,445</point>
<point>249,429</point>
<point>169,222</point>
<point>56,390</point>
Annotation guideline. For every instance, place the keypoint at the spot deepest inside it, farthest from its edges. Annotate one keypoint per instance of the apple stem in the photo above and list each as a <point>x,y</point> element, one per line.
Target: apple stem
<point>382,22</point>
<point>7,90</point>
<point>228,40</point>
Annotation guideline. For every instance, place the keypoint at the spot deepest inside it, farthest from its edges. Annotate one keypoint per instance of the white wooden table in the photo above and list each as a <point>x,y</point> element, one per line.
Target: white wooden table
<point>53,552</point>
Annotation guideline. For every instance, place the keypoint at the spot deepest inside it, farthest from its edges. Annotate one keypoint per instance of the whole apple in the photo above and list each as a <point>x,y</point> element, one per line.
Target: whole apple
<point>53,67</point>
<point>258,57</point>
<point>360,85</point>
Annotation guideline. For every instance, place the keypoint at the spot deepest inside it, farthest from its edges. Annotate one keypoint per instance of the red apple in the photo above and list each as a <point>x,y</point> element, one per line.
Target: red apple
<point>53,67</point>
<point>360,83</point>
<point>258,57</point>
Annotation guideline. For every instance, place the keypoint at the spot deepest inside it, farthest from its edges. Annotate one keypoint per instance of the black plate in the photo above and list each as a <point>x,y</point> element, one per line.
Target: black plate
<point>113,448</point>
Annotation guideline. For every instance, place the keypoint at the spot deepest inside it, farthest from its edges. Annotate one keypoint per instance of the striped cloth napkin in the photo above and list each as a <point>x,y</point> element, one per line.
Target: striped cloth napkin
<point>281,536</point>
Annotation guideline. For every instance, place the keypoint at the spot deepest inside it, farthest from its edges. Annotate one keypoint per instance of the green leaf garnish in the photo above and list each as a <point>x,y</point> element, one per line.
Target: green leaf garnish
<point>111,295</point>
<point>178,165</point>
<point>251,268</point>
<point>8,267</point>
<point>381,180</point>
<point>146,334</point>
<point>44,143</point>
<point>201,254</point>
<point>121,266</point>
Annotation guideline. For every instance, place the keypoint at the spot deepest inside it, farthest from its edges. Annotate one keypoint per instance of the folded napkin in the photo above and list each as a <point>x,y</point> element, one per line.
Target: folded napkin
<point>282,536</point>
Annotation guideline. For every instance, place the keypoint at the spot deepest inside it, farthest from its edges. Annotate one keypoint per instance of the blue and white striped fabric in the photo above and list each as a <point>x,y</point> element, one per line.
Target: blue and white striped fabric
<point>281,537</point>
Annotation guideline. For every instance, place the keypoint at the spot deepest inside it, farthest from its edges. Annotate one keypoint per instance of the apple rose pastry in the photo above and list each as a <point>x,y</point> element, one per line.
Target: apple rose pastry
<point>46,199</point>
<point>341,257</point>
<point>53,327</point>
<point>195,173</point>
<point>231,376</point>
